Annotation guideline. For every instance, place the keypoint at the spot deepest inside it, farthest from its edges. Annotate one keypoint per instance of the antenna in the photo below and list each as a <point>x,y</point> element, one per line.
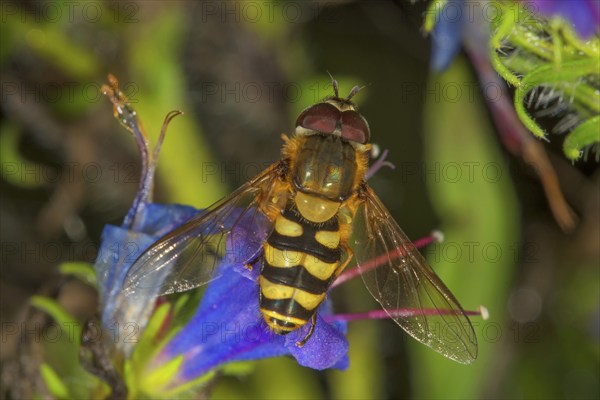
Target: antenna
<point>335,85</point>
<point>355,90</point>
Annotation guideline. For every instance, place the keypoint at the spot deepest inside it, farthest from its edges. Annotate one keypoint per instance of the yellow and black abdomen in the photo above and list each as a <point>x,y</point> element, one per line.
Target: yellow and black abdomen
<point>300,261</point>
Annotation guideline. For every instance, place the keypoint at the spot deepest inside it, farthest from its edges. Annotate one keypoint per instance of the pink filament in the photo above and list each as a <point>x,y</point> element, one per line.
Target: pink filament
<point>400,312</point>
<point>377,165</point>
<point>380,260</point>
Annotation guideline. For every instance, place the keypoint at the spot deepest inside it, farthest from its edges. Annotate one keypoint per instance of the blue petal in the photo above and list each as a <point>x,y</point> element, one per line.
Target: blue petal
<point>159,219</point>
<point>326,348</point>
<point>119,248</point>
<point>447,34</point>
<point>226,327</point>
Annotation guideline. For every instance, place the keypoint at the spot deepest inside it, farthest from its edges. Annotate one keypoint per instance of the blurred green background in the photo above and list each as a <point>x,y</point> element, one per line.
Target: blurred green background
<point>241,72</point>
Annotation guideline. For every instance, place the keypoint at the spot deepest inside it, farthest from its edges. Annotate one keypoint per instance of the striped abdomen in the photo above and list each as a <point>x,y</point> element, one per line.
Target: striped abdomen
<point>301,258</point>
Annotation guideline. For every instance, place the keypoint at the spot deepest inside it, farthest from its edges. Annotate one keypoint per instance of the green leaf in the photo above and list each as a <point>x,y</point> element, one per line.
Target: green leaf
<point>130,379</point>
<point>55,385</point>
<point>50,41</point>
<point>16,169</point>
<point>80,270</point>
<point>191,389</point>
<point>160,87</point>
<point>58,313</point>
<point>475,200</point>
<point>432,14</point>
<point>586,134</point>
<point>147,345</point>
<point>239,368</point>
<point>155,381</point>
<point>61,353</point>
<point>283,378</point>
<point>363,377</point>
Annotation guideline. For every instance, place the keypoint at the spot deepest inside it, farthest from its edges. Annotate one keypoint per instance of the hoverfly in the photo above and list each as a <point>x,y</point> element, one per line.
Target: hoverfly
<point>313,212</point>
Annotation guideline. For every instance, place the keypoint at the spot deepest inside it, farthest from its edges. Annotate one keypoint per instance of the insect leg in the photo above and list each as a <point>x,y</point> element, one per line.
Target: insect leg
<point>249,265</point>
<point>313,322</point>
<point>342,267</point>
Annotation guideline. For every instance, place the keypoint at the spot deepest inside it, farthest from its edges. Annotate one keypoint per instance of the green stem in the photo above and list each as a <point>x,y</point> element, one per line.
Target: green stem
<point>584,135</point>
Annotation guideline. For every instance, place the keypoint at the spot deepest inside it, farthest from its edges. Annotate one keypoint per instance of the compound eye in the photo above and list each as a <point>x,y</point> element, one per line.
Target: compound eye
<point>354,127</point>
<point>322,117</point>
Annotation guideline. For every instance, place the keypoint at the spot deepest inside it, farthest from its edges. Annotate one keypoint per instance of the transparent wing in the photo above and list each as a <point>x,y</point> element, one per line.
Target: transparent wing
<point>232,229</point>
<point>404,281</point>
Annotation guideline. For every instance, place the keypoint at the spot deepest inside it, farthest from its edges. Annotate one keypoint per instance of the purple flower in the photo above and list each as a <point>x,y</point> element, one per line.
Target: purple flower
<point>583,15</point>
<point>227,326</point>
<point>119,248</point>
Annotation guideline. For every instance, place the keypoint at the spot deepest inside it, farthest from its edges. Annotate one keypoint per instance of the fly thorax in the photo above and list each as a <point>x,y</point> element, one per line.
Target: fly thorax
<point>316,209</point>
<point>325,166</point>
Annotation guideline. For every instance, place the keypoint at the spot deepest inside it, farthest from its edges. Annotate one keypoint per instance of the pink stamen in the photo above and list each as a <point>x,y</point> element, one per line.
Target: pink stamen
<point>401,312</point>
<point>378,261</point>
<point>377,165</point>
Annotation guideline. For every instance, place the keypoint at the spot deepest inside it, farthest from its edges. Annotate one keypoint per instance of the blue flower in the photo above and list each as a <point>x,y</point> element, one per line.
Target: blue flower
<point>446,39</point>
<point>119,248</point>
<point>583,15</point>
<point>227,326</point>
